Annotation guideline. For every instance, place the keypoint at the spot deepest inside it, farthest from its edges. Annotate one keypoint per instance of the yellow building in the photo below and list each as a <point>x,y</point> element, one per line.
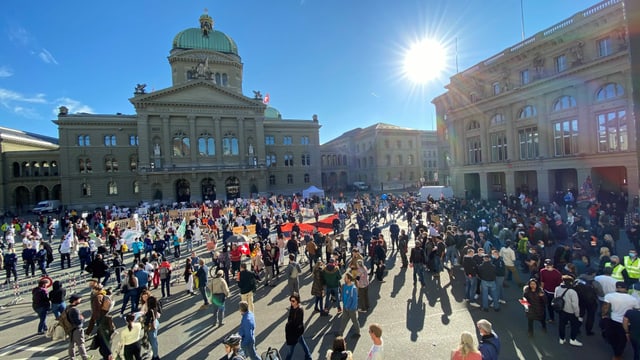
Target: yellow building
<point>199,139</point>
<point>384,156</point>
<point>549,114</point>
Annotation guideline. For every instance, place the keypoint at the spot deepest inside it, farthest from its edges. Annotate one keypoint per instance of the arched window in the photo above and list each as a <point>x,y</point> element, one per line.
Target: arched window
<point>54,168</point>
<point>306,159</point>
<point>307,178</point>
<point>344,160</point>
<point>225,80</point>
<point>84,140</point>
<point>497,119</point>
<point>206,145</point>
<point>410,160</point>
<point>181,144</point>
<point>473,124</point>
<point>133,162</point>
<point>609,91</point>
<point>136,187</point>
<point>288,160</point>
<point>564,103</point>
<point>86,189</point>
<point>36,168</point>
<point>84,166</point>
<point>112,188</point>
<point>271,160</point>
<point>45,169</point>
<point>16,169</point>
<point>26,169</point>
<point>110,164</point>
<point>527,112</point>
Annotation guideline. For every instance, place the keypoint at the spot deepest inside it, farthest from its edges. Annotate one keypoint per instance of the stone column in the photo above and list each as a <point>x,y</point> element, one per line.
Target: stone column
<point>510,183</point>
<point>242,142</point>
<point>484,189</point>
<point>145,144</point>
<point>167,136</point>
<point>217,133</point>
<point>259,146</point>
<point>545,192</point>
<point>193,140</point>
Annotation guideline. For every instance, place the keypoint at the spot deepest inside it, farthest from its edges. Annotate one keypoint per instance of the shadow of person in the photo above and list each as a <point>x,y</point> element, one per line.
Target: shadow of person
<point>416,311</point>
<point>398,282</point>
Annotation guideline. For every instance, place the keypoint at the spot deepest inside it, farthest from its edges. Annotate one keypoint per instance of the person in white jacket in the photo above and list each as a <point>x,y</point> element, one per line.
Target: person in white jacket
<point>219,294</point>
<point>570,313</point>
<point>65,250</point>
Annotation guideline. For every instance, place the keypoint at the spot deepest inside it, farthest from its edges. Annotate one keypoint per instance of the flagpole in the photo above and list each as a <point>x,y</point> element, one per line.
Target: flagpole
<point>522,17</point>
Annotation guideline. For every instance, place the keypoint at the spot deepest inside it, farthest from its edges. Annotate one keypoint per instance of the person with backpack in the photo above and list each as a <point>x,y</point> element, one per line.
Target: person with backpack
<point>566,303</point>
<point>73,324</point>
<point>57,295</point>
<point>585,286</point>
<point>247,285</point>
<point>165,270</point>
<point>550,278</point>
<point>41,304</point>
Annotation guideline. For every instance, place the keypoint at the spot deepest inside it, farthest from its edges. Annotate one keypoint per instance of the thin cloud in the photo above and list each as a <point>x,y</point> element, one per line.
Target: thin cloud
<point>5,72</point>
<point>73,105</point>
<point>46,56</point>
<point>8,96</point>
<point>26,112</point>
<point>20,35</point>
<point>374,95</point>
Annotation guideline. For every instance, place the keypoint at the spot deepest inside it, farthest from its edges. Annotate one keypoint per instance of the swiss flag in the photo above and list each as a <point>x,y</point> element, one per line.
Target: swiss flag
<point>244,249</point>
<point>266,99</point>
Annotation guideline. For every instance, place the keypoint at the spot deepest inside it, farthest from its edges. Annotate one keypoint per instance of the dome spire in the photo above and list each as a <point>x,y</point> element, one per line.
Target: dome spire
<point>206,23</point>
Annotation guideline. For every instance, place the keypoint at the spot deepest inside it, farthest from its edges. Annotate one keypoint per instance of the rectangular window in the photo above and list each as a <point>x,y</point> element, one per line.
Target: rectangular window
<point>612,131</point>
<point>271,160</point>
<point>269,140</point>
<point>496,88</point>
<point>304,140</point>
<point>286,140</point>
<point>288,160</point>
<point>474,150</point>
<point>565,137</point>
<point>524,77</point>
<point>604,47</point>
<point>529,143</point>
<point>498,146</point>
<point>561,63</point>
<point>133,140</point>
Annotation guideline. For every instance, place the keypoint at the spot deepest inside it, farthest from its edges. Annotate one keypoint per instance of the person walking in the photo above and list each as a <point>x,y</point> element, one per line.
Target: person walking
<point>339,350</point>
<point>203,276</point>
<point>317,287</point>
<point>550,279</point>
<point>631,326</point>
<point>377,349</point>
<point>350,305</point>
<point>219,294</point>
<point>489,340</point>
<point>294,329</point>
<point>536,299</point>
<point>614,308</point>
<point>487,276</point>
<point>76,338</point>
<point>292,272</point>
<point>247,285</point>
<point>41,304</point>
<point>570,311</point>
<point>188,276</point>
<point>467,350</point>
<point>165,270</point>
<point>130,338</point>
<point>508,255</point>
<point>331,276</point>
<point>152,324</point>
<point>232,348</point>
<point>57,295</point>
<point>130,290</point>
<point>10,263</point>
<point>247,331</point>
<point>362,281</point>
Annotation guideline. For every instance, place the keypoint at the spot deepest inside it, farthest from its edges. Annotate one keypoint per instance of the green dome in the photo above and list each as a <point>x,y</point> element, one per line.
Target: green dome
<point>195,39</point>
<point>272,114</point>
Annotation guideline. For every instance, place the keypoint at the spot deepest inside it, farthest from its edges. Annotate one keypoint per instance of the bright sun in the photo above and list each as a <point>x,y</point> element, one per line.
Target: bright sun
<point>424,61</point>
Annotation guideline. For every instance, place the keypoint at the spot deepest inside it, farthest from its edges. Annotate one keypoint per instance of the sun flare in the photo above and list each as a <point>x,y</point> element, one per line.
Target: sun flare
<point>424,61</point>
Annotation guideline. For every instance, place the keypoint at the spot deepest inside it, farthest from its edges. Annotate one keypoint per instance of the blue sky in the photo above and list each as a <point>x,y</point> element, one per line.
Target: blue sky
<point>342,60</point>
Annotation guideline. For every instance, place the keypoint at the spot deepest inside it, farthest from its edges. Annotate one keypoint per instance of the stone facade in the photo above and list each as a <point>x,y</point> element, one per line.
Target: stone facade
<point>386,157</point>
<point>199,139</point>
<point>550,114</point>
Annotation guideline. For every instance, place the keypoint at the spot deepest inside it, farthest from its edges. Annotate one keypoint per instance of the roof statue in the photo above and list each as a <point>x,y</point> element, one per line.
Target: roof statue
<point>140,89</point>
<point>206,23</point>
<point>257,95</point>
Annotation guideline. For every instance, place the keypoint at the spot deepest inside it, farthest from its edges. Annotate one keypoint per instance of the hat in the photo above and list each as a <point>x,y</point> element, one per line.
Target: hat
<point>232,340</point>
<point>74,297</point>
<point>219,273</point>
<point>621,285</point>
<point>332,261</point>
<point>548,262</point>
<point>486,256</point>
<point>92,279</point>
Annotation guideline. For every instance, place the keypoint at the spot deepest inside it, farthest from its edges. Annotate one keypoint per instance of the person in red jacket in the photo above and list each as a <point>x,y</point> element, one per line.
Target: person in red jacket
<point>236,257</point>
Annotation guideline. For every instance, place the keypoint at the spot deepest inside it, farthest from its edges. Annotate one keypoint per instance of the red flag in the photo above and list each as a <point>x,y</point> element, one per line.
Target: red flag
<point>266,99</point>
<point>244,249</point>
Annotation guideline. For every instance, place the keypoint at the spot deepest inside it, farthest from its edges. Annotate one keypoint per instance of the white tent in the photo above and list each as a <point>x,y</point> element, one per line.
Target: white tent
<point>312,191</point>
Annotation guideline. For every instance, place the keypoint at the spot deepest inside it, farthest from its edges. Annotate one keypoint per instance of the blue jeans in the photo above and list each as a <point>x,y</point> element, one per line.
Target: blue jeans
<point>451,255</point>
<point>153,340</point>
<point>42,315</point>
<point>130,295</point>
<point>336,293</point>
<point>249,349</point>
<point>57,309</point>
<point>418,270</point>
<point>203,291</point>
<point>489,287</point>
<point>499,287</point>
<point>470,284</point>
<point>305,348</point>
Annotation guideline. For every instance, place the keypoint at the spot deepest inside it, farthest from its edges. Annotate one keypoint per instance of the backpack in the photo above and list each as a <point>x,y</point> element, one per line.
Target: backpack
<point>557,303</point>
<point>294,272</point>
<point>107,303</point>
<point>65,323</point>
<point>164,272</point>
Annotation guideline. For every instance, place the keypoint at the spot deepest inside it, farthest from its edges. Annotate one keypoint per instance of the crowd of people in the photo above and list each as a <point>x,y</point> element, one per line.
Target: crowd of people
<point>561,253</point>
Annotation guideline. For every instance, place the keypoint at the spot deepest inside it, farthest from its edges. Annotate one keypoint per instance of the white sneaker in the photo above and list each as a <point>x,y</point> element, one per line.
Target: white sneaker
<point>490,298</point>
<point>575,342</point>
<point>475,297</point>
<point>561,341</point>
<point>502,301</point>
<point>474,304</point>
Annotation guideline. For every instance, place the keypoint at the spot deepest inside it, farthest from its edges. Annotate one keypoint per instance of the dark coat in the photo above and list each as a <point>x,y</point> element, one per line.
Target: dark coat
<point>537,303</point>
<point>295,325</point>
